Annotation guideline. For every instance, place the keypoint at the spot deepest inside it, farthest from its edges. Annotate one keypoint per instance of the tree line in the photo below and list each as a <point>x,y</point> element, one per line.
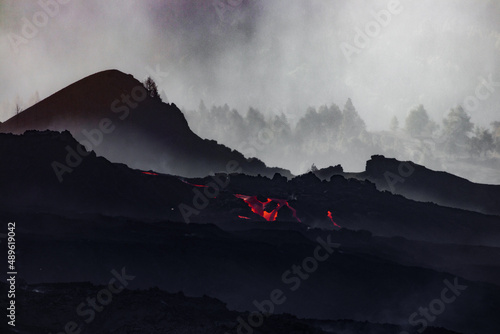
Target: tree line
<point>330,134</point>
<point>457,135</point>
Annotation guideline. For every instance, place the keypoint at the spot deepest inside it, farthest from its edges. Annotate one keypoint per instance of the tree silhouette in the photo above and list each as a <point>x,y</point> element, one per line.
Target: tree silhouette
<point>457,126</point>
<point>496,135</point>
<point>352,125</point>
<point>255,121</point>
<point>202,107</point>
<point>417,121</point>
<point>308,124</point>
<point>18,104</point>
<point>482,142</point>
<point>151,88</point>
<point>313,168</point>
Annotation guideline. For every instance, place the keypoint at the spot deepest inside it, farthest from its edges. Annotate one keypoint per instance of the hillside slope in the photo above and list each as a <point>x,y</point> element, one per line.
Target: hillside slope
<point>112,113</point>
<point>419,183</point>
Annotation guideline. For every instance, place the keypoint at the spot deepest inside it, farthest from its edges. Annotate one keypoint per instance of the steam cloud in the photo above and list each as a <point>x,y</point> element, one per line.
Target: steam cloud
<point>273,55</point>
<point>277,56</point>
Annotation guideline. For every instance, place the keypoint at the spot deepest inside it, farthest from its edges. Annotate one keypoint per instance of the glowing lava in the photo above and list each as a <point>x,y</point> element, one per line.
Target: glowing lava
<point>243,217</point>
<point>149,173</point>
<point>194,185</point>
<point>330,216</point>
<point>259,207</point>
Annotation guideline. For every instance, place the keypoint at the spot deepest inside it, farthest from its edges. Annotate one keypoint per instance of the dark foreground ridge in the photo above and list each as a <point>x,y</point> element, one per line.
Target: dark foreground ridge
<point>366,278</point>
<point>48,308</point>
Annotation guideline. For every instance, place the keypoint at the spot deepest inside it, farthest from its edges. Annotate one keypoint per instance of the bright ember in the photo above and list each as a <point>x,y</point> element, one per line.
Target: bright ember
<point>330,216</point>
<point>259,207</point>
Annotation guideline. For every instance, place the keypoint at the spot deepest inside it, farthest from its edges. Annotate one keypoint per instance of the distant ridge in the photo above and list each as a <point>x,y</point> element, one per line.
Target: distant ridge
<point>111,112</point>
<point>419,183</point>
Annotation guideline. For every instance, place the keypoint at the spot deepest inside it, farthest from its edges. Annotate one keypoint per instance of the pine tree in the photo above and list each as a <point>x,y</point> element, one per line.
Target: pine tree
<point>151,87</point>
<point>456,127</point>
<point>417,121</point>
<point>352,125</point>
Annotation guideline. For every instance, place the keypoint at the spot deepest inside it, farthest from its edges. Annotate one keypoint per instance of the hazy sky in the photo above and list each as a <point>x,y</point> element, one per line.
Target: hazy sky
<point>275,55</point>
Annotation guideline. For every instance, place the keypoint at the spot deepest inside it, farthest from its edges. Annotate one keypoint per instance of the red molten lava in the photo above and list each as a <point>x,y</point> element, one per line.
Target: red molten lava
<point>330,216</point>
<point>149,173</point>
<point>259,207</point>
<point>194,185</point>
<point>243,217</point>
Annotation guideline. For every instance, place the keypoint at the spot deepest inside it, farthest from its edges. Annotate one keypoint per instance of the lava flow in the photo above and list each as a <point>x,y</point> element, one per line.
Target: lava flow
<point>149,173</point>
<point>194,185</point>
<point>259,207</point>
<point>330,216</point>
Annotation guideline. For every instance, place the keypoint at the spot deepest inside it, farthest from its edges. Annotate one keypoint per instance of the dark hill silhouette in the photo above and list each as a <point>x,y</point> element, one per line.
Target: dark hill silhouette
<point>94,186</point>
<point>433,186</point>
<point>110,113</point>
<point>424,184</point>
